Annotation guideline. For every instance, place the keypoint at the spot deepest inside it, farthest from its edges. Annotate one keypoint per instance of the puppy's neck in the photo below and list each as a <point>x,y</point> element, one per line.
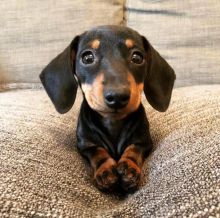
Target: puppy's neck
<point>113,127</point>
<point>110,123</point>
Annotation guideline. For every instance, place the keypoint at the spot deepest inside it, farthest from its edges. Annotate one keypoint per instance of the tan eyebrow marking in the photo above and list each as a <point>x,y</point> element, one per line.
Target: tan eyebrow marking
<point>95,44</point>
<point>129,43</point>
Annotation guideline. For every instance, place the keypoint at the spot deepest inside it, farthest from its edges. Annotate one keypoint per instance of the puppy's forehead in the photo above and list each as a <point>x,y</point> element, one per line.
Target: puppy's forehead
<point>110,35</point>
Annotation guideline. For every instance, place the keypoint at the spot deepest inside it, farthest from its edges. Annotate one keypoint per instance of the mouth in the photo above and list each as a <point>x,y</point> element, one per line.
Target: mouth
<point>109,112</point>
<point>113,114</point>
<point>104,110</point>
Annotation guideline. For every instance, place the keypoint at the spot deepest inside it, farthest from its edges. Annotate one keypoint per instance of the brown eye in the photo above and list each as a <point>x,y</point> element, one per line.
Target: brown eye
<point>88,57</point>
<point>137,58</point>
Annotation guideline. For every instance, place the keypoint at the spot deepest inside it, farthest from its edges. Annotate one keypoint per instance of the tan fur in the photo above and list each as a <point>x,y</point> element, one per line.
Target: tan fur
<point>105,166</point>
<point>95,98</point>
<point>95,44</point>
<point>94,93</point>
<point>100,154</point>
<point>132,152</point>
<point>130,164</point>
<point>129,43</point>
<point>135,99</point>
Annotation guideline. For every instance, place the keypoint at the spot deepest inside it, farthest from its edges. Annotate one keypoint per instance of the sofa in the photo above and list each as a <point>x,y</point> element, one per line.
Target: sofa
<point>41,171</point>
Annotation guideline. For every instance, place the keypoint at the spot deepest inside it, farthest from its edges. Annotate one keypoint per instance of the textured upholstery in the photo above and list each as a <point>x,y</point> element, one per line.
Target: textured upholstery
<point>186,33</point>
<point>42,174</point>
<point>34,32</point>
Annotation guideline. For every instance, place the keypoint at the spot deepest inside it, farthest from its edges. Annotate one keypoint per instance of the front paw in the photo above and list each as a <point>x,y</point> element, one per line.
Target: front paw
<point>129,174</point>
<point>106,176</point>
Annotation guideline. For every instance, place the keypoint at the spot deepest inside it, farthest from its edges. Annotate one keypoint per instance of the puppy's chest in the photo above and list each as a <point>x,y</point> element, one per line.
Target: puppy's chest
<point>113,129</point>
<point>116,134</point>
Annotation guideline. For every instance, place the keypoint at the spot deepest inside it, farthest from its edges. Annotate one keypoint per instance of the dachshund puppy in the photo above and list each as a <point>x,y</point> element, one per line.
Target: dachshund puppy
<point>113,65</point>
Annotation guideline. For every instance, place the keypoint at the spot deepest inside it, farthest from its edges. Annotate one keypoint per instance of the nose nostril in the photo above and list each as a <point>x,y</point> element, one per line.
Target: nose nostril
<point>109,98</point>
<point>125,98</point>
<point>116,100</point>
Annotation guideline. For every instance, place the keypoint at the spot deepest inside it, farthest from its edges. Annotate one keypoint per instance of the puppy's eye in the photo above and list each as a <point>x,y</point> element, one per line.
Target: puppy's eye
<point>137,58</point>
<point>88,57</point>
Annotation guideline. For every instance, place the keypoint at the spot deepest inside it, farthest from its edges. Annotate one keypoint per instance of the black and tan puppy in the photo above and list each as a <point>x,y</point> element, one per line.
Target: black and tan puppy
<point>113,65</point>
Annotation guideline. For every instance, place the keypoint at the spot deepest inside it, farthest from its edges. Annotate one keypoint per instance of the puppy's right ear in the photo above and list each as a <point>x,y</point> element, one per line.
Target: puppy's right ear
<point>58,78</point>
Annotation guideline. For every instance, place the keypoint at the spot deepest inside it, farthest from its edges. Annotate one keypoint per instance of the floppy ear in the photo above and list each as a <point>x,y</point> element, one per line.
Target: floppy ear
<point>58,78</point>
<point>159,80</point>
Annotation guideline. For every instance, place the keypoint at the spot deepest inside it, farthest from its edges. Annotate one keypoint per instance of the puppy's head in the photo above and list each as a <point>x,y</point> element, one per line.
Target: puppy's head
<point>113,65</point>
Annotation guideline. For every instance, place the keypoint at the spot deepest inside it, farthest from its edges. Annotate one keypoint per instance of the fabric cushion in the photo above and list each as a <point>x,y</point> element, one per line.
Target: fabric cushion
<point>34,32</point>
<point>186,33</point>
<point>43,175</point>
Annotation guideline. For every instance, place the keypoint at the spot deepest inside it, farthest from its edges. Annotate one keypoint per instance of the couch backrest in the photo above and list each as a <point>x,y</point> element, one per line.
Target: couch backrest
<point>185,32</point>
<point>34,32</point>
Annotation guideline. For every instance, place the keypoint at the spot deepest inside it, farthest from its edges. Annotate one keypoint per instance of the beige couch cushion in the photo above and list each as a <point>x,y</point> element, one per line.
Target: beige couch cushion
<point>33,32</point>
<point>43,175</point>
<point>186,33</point>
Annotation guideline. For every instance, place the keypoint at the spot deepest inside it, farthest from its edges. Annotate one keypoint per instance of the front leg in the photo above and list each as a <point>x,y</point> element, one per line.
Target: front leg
<point>104,168</point>
<point>129,166</point>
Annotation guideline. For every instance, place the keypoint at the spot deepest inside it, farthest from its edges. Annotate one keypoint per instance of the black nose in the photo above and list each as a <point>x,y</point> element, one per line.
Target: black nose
<point>117,99</point>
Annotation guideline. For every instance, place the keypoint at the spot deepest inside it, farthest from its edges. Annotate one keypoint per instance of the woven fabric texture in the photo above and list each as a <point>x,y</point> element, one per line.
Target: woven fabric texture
<point>186,33</point>
<point>34,32</point>
<point>42,174</point>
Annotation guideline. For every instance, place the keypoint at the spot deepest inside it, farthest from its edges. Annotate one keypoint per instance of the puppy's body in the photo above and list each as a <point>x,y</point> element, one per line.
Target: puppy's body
<point>115,136</point>
<point>113,65</point>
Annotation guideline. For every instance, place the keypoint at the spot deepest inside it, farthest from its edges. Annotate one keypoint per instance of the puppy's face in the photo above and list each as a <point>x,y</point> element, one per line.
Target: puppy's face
<point>110,66</point>
<point>113,65</point>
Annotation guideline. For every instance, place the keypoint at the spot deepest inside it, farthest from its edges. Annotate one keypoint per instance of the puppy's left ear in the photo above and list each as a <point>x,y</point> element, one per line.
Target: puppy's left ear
<point>58,78</point>
<point>159,80</point>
